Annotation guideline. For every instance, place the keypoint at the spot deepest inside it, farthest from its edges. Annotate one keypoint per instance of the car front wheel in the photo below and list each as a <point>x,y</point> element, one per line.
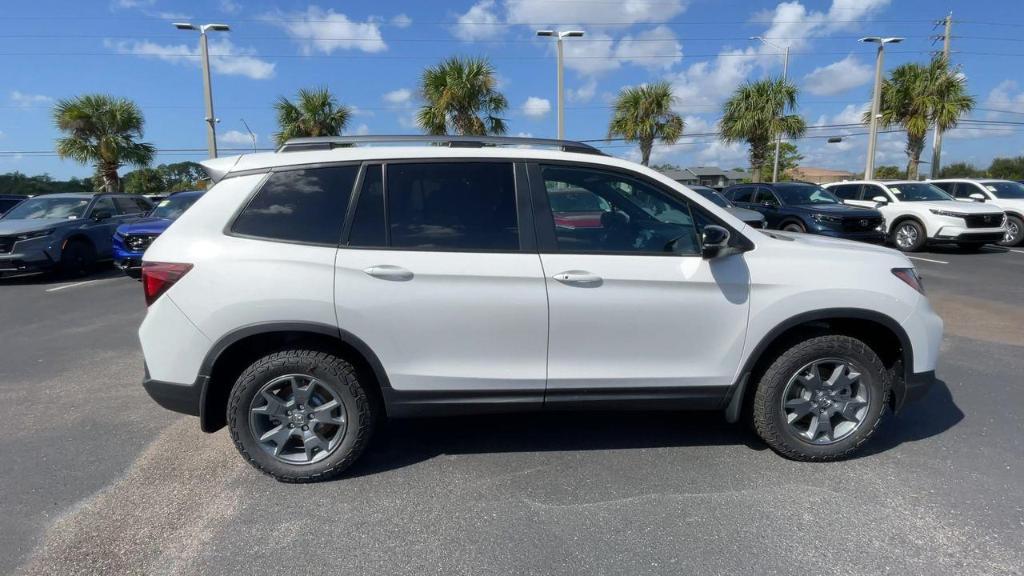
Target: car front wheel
<point>821,399</point>
<point>908,236</point>
<point>1014,231</point>
<point>300,415</point>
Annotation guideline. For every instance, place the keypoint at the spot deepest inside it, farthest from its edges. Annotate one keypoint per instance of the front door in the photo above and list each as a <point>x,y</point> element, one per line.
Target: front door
<point>632,303</point>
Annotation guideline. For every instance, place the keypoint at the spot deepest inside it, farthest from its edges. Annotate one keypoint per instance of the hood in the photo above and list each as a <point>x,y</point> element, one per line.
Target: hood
<point>748,216</point>
<point>20,226</point>
<point>957,206</point>
<point>816,241</point>
<point>839,210</point>
<point>1015,204</point>
<point>145,226</point>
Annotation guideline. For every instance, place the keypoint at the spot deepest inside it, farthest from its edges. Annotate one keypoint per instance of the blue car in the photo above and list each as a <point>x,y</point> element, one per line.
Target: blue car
<point>131,240</point>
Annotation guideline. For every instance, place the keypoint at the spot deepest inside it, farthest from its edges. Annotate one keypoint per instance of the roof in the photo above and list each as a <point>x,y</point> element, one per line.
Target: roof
<point>697,171</point>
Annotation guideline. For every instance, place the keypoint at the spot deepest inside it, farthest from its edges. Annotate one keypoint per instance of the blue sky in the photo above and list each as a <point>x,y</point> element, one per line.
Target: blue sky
<point>370,54</point>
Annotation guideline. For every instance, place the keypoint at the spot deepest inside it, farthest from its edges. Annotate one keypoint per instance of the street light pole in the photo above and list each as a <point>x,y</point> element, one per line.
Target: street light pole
<point>204,54</point>
<point>560,98</point>
<point>785,72</point>
<point>876,97</point>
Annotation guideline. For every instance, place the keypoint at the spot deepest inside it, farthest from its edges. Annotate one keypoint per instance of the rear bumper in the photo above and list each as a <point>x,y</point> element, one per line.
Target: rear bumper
<point>184,398</point>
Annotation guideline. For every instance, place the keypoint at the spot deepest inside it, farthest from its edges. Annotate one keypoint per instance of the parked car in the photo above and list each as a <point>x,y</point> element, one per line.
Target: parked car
<point>69,232</point>
<point>316,290</point>
<point>1006,194</point>
<point>751,217</point>
<point>8,201</point>
<point>807,207</point>
<point>131,240</point>
<point>918,213</point>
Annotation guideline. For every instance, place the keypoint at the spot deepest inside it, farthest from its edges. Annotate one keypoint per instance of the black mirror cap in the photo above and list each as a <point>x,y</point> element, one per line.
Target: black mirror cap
<point>714,241</point>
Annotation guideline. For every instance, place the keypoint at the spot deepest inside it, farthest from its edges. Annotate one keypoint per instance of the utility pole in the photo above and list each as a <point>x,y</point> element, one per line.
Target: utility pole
<point>937,141</point>
<point>876,99</point>
<point>785,73</point>
<point>558,36</point>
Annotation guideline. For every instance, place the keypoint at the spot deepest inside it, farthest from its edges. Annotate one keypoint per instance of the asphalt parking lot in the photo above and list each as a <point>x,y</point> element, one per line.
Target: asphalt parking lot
<point>97,479</point>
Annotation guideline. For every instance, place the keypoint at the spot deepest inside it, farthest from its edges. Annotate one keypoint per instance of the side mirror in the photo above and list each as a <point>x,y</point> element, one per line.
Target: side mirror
<point>880,200</point>
<point>714,239</point>
<point>977,197</point>
<point>101,215</point>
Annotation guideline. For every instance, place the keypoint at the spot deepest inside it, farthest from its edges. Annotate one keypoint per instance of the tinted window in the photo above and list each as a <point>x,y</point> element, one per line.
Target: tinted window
<point>632,216</point>
<point>143,203</point>
<point>711,195</point>
<point>6,205</point>
<point>846,191</point>
<point>105,204</point>
<point>918,192</point>
<point>174,206</point>
<point>871,191</point>
<point>801,193</point>
<point>368,225</point>
<point>300,205</point>
<point>43,207</point>
<point>452,206</point>
<point>1005,189</point>
<point>947,187</point>
<point>743,194</point>
<point>127,205</point>
<point>765,196</point>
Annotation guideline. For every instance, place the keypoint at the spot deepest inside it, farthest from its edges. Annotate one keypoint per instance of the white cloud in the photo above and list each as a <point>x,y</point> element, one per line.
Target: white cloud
<point>838,77</point>
<point>536,107</point>
<point>584,93</point>
<point>325,31</point>
<point>479,22</point>
<point>361,130</point>
<point>400,96</point>
<point>524,135</point>
<point>225,57</point>
<point>401,21</point>
<point>1007,95</point>
<point>708,83</point>
<point>134,3</point>
<point>591,55</point>
<point>236,137</point>
<point>230,7</point>
<point>651,49</point>
<point>541,12</point>
<point>722,154</point>
<point>29,100</point>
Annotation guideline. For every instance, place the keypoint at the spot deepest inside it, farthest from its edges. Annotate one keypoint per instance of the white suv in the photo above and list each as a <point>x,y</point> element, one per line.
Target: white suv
<point>315,291</point>
<point>918,213</point>
<point>1006,194</point>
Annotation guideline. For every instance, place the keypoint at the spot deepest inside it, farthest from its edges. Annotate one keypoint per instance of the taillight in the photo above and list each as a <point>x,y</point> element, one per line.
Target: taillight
<point>910,276</point>
<point>158,277</point>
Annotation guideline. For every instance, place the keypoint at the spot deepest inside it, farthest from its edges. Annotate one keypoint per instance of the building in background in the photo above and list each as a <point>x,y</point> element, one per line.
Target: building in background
<point>710,176</point>
<point>820,175</point>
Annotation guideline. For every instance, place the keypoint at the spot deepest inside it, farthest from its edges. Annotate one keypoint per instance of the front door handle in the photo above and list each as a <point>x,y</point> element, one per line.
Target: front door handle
<point>578,278</point>
<point>389,272</point>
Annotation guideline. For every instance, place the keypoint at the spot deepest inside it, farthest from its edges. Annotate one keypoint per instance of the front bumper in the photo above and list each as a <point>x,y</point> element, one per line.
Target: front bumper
<point>872,236</point>
<point>913,387</point>
<point>25,263</point>
<point>961,234</point>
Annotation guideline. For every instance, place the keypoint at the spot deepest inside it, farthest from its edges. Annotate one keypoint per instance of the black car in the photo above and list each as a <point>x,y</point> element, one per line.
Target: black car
<point>7,201</point>
<point>807,207</point>
<point>752,218</point>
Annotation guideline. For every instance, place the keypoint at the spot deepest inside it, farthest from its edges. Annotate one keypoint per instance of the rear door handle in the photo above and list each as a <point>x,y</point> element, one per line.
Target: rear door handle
<point>578,278</point>
<point>389,272</point>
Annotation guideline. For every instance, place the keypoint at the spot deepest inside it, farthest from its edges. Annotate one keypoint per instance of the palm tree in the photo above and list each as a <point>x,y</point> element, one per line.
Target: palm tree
<point>102,130</point>
<point>644,114</point>
<point>916,97</point>
<point>461,96</point>
<point>756,115</point>
<point>315,113</point>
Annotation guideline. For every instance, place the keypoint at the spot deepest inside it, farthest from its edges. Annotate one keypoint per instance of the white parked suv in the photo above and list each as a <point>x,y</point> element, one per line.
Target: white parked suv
<point>315,291</point>
<point>918,213</point>
<point>1006,194</point>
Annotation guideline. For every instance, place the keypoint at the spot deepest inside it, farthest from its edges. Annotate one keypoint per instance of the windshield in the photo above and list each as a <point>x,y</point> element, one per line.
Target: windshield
<point>1005,189</point>
<point>712,195</point>
<point>799,193</point>
<point>918,192</point>
<point>173,207</point>
<point>43,207</point>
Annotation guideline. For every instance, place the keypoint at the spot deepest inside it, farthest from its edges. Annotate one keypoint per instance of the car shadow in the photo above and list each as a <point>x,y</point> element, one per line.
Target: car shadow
<point>401,443</point>
<point>102,272</point>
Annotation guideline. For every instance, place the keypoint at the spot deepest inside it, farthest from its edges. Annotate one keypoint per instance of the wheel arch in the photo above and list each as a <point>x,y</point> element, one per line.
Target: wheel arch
<point>77,237</point>
<point>880,332</point>
<point>903,218</point>
<point>235,351</point>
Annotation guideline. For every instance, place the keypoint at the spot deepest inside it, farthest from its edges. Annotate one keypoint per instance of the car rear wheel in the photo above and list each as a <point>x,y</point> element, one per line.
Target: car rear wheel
<point>821,399</point>
<point>1014,231</point>
<point>77,259</point>
<point>300,415</point>
<point>908,236</point>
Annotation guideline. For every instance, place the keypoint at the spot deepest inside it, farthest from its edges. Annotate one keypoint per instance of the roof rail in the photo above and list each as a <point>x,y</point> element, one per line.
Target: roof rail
<point>331,142</point>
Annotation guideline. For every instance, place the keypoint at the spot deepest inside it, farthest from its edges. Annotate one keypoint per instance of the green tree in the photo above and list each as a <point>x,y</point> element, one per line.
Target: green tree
<point>144,181</point>
<point>890,173</point>
<point>755,114</point>
<point>644,114</point>
<point>1007,168</point>
<point>315,112</point>
<point>103,131</point>
<point>789,159</point>
<point>917,97</point>
<point>666,166</point>
<point>180,176</point>
<point>461,96</point>
<point>961,170</point>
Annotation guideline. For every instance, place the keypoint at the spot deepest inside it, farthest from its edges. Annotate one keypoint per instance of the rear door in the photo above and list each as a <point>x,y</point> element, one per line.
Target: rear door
<point>868,194</point>
<point>635,311</point>
<point>440,277</point>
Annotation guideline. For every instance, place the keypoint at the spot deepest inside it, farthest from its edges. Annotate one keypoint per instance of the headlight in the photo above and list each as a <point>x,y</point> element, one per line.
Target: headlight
<point>35,234</point>
<point>946,213</point>
<point>820,218</point>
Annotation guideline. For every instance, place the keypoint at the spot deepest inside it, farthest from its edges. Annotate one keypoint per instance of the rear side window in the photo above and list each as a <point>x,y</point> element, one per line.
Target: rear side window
<point>300,206</point>
<point>765,197</point>
<point>126,205</point>
<point>948,187</point>
<point>459,206</point>
<point>741,194</point>
<point>846,191</point>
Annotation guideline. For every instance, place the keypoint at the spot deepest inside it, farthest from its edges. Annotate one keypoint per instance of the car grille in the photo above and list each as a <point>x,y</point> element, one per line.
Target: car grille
<point>138,242</point>
<point>6,244</point>
<point>861,224</point>
<point>984,220</point>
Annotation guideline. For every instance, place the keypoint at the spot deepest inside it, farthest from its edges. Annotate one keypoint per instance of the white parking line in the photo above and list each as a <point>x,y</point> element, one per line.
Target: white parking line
<point>84,282</point>
<point>1017,251</point>
<point>928,260</point>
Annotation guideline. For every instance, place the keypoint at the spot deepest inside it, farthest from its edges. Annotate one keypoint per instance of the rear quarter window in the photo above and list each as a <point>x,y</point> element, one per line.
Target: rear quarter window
<point>306,206</point>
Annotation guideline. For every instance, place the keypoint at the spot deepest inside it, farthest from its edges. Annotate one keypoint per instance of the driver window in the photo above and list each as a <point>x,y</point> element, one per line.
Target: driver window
<point>105,204</point>
<point>598,211</point>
